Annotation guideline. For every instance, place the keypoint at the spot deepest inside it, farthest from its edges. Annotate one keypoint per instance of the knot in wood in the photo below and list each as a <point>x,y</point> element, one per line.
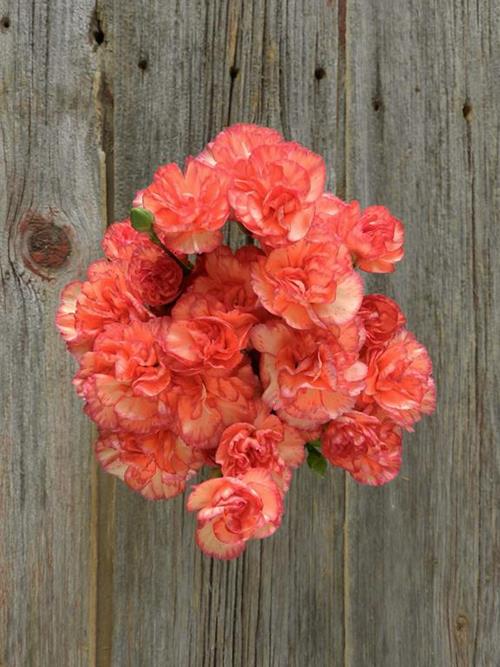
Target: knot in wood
<point>48,246</point>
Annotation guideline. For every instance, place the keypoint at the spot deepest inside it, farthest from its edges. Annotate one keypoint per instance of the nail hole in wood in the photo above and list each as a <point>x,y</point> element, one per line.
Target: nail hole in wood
<point>467,111</point>
<point>319,73</point>
<point>377,103</point>
<point>5,22</point>
<point>96,33</point>
<point>234,71</point>
<point>99,36</point>
<point>143,64</point>
<point>417,89</point>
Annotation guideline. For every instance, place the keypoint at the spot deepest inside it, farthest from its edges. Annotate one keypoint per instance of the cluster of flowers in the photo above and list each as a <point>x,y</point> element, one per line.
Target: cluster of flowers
<point>248,362</point>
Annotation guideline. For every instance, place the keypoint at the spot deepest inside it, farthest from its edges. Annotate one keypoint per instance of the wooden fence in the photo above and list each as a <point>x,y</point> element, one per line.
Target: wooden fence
<point>401,98</point>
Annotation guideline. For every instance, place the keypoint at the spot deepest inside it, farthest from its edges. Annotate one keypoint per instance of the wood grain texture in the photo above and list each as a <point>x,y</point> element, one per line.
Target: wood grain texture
<point>423,553</point>
<point>50,228</point>
<point>94,95</point>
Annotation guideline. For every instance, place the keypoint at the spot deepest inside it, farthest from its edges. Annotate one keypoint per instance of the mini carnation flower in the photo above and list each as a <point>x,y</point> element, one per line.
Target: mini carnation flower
<point>156,465</point>
<point>381,317</point>
<point>205,404</point>
<point>399,379</point>
<point>273,193</point>
<point>203,344</point>
<point>368,448</point>
<point>309,284</point>
<point>124,378</point>
<point>86,308</point>
<point>374,236</point>
<point>121,239</point>
<point>233,510</point>
<point>189,208</point>
<point>157,276</point>
<point>266,443</point>
<point>237,143</point>
<point>192,305</point>
<point>227,277</point>
<point>307,378</point>
<point>327,223</point>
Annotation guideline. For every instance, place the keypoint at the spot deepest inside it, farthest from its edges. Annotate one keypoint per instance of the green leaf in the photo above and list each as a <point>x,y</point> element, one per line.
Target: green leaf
<point>142,220</point>
<point>315,443</point>
<point>315,460</point>
<point>213,473</point>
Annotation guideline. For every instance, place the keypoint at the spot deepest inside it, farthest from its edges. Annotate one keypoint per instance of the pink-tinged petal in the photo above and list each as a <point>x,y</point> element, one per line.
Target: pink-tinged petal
<point>211,546</point>
<point>261,480</point>
<point>202,494</point>
<point>65,318</point>
<point>188,243</point>
<point>292,447</point>
<point>299,223</point>
<point>347,302</point>
<point>270,337</point>
<point>224,535</point>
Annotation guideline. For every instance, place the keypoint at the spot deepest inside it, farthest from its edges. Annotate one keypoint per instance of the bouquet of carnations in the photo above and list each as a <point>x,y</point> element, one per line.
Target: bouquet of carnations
<point>249,362</point>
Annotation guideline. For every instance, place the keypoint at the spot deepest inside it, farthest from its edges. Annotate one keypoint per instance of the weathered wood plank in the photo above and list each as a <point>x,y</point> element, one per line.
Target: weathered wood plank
<point>180,72</point>
<point>423,553</point>
<point>49,214</point>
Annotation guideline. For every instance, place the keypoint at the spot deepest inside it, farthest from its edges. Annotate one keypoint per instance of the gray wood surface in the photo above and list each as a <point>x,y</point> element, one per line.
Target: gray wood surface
<point>51,223</point>
<point>402,103</point>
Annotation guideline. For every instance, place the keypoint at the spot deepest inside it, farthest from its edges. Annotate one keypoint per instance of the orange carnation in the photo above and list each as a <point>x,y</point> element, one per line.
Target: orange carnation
<point>307,378</point>
<point>309,284</point>
<point>266,443</point>
<point>203,343</point>
<point>156,275</point>
<point>124,378</point>
<point>205,404</point>
<point>274,191</point>
<point>156,465</point>
<point>227,277</point>
<point>399,379</point>
<point>368,448</point>
<point>381,317</point>
<point>237,143</point>
<point>189,208</point>
<point>374,236</point>
<point>232,511</point>
<point>86,308</point>
<point>121,239</point>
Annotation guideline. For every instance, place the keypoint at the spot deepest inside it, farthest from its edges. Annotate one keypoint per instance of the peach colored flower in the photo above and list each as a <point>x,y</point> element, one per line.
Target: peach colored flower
<point>237,143</point>
<point>205,404</point>
<point>368,448</point>
<point>203,344</point>
<point>399,379</point>
<point>232,511</point>
<point>328,217</point>
<point>382,317</point>
<point>274,192</point>
<point>124,380</point>
<point>121,239</point>
<point>189,208</point>
<point>377,240</point>
<point>374,236</point>
<point>192,306</point>
<point>87,307</point>
<point>66,320</point>
<point>157,277</point>
<point>156,465</point>
<point>266,443</point>
<point>309,284</point>
<point>308,379</point>
<point>227,277</point>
